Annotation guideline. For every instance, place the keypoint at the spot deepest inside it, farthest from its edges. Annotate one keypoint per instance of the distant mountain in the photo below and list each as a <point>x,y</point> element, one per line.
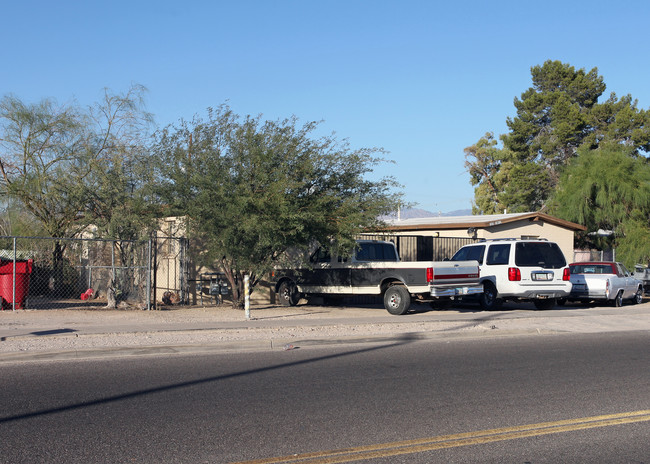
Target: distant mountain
<point>415,213</point>
<point>459,212</point>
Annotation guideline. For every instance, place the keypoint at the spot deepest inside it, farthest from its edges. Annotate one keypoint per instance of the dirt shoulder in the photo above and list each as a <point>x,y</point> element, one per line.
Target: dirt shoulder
<point>273,327</point>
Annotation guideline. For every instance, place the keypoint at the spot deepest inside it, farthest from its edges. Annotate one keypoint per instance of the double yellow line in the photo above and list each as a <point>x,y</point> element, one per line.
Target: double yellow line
<point>452,441</point>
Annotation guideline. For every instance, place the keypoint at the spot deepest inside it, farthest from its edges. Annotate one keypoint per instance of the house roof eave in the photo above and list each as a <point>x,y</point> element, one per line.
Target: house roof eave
<point>484,222</point>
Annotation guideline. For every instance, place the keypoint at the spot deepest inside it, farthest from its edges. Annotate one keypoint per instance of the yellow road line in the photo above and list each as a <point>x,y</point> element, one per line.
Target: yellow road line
<point>456,440</point>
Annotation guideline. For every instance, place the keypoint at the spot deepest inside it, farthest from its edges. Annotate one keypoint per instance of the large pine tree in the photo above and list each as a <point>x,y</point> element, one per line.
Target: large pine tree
<point>555,117</point>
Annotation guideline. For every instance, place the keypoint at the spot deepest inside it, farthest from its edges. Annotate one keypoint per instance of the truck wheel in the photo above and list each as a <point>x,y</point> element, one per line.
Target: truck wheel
<point>638,296</point>
<point>488,299</point>
<point>288,293</point>
<point>545,304</point>
<point>618,301</point>
<point>397,300</point>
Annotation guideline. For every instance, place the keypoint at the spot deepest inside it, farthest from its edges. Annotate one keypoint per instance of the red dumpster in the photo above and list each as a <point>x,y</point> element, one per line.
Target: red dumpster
<point>23,270</point>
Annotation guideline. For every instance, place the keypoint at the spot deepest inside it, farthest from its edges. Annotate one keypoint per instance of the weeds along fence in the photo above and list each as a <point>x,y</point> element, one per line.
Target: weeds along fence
<point>54,273</point>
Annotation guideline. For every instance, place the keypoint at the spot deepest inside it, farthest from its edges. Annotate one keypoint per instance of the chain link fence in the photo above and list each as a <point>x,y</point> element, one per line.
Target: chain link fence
<point>56,273</point>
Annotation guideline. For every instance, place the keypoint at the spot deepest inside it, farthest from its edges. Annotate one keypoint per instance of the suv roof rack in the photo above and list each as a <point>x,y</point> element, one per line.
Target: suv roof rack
<point>513,239</point>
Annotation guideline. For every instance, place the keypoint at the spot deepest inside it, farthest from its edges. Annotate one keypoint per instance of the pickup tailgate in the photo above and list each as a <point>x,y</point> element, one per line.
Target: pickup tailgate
<point>452,273</point>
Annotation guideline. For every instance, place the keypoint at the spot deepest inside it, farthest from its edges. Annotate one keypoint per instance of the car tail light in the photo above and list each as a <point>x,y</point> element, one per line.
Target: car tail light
<point>429,274</point>
<point>607,288</point>
<point>566,274</point>
<point>514,274</point>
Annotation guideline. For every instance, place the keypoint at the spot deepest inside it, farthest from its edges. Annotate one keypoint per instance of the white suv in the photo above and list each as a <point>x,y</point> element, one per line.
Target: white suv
<point>518,269</point>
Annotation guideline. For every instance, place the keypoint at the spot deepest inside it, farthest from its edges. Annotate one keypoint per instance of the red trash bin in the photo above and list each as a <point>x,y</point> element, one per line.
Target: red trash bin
<point>23,270</point>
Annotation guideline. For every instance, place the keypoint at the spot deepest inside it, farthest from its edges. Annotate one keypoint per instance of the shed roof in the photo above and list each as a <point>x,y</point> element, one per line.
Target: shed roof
<point>478,221</point>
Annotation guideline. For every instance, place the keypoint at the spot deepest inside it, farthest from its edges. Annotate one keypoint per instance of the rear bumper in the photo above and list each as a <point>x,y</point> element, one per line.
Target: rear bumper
<point>511,290</point>
<point>539,294</point>
<point>456,291</point>
<point>588,295</point>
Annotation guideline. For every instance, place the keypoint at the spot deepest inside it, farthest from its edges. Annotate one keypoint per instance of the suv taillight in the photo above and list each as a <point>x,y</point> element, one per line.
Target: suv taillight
<point>514,274</point>
<point>429,274</point>
<point>566,274</point>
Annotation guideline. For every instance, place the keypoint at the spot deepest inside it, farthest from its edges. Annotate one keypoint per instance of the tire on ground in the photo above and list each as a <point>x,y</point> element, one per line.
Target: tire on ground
<point>397,300</point>
<point>489,298</point>
<point>288,293</point>
<point>618,301</point>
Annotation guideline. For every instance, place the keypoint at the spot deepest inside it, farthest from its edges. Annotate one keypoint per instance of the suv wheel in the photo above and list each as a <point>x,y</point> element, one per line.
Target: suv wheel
<point>489,300</point>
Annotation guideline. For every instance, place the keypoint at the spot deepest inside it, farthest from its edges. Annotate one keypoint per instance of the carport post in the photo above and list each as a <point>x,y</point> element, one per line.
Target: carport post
<point>247,304</point>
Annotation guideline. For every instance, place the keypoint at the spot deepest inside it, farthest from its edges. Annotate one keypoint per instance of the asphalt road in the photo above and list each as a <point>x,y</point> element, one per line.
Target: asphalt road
<point>228,407</point>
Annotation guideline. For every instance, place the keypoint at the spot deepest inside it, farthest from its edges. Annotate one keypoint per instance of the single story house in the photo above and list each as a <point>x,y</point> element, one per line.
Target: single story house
<point>492,226</point>
<point>418,239</point>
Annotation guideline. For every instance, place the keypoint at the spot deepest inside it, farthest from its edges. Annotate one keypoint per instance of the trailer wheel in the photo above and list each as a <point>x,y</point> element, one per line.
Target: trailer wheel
<point>288,293</point>
<point>397,300</point>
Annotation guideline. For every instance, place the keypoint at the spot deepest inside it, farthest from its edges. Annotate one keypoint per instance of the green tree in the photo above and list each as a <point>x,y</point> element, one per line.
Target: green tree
<point>556,116</point>
<point>119,188</point>
<point>252,189</point>
<point>42,161</point>
<point>48,154</point>
<point>608,188</point>
<point>484,162</point>
<point>503,183</point>
<point>43,165</point>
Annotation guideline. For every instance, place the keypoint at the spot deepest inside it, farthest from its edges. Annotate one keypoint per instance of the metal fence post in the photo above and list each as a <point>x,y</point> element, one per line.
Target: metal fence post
<point>247,305</point>
<point>13,288</point>
<point>149,275</point>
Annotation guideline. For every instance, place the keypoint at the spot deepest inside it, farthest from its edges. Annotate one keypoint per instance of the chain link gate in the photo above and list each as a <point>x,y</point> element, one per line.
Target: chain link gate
<point>171,270</point>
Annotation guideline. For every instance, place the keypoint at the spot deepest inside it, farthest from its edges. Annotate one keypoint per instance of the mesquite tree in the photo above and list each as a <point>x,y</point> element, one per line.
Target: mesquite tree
<point>251,189</point>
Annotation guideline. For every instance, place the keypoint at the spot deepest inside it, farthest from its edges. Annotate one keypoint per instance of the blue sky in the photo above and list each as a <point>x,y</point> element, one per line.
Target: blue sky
<point>422,79</point>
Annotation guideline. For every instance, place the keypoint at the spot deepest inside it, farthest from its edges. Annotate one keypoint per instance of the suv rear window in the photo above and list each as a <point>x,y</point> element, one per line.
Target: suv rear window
<point>498,254</point>
<point>470,253</point>
<point>547,255</point>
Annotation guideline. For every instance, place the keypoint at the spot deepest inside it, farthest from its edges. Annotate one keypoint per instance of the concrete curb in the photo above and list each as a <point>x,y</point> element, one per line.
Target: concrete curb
<point>267,344</point>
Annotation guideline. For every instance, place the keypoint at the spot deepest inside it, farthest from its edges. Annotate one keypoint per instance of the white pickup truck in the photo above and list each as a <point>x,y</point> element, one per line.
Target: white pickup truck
<point>604,281</point>
<point>375,269</point>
